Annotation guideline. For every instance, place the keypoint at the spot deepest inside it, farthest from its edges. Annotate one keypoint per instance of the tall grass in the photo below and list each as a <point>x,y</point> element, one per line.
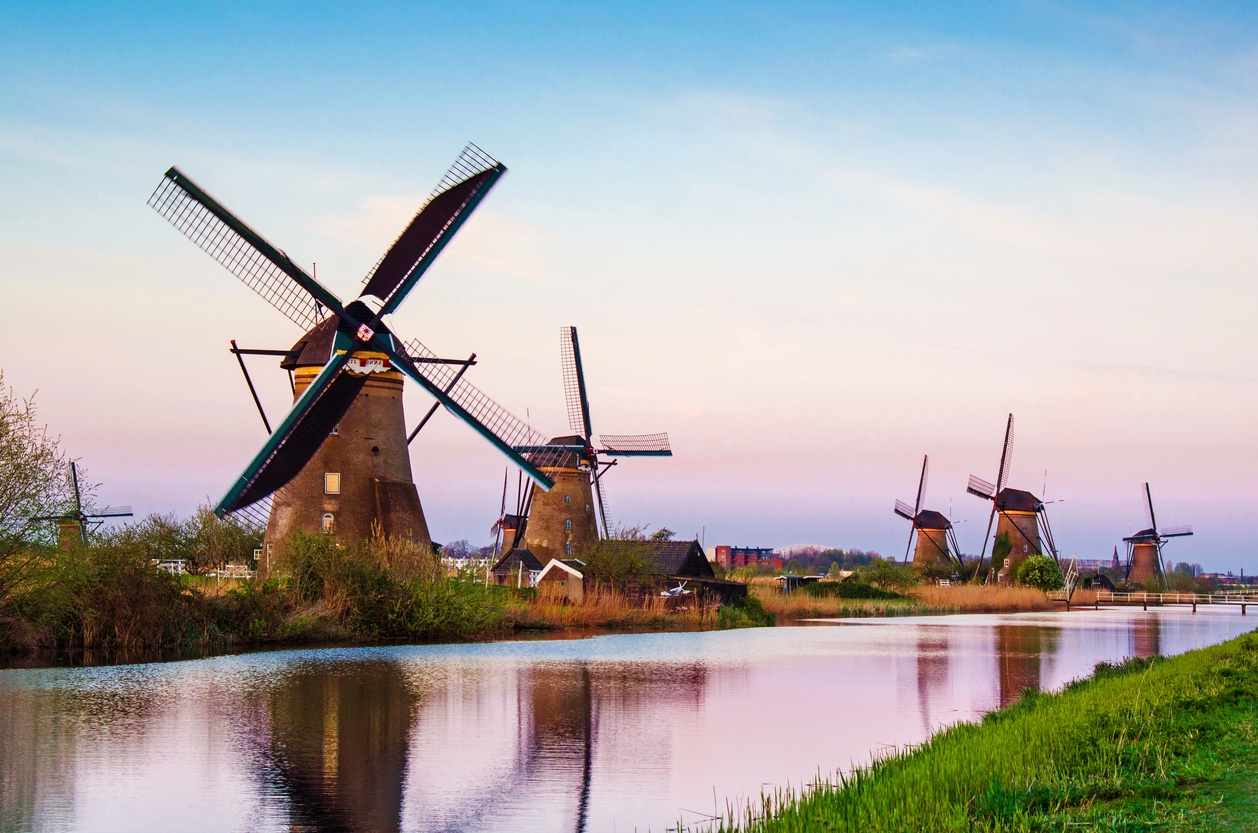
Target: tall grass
<point>972,598</point>
<point>606,607</point>
<point>1116,747</point>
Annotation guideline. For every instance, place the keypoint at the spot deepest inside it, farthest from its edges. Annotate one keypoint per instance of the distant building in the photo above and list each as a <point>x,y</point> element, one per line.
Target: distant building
<point>731,557</point>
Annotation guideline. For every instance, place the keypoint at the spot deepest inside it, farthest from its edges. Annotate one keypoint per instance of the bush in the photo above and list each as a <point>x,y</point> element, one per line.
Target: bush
<point>746,611</point>
<point>886,574</point>
<point>1041,571</point>
<point>847,590</point>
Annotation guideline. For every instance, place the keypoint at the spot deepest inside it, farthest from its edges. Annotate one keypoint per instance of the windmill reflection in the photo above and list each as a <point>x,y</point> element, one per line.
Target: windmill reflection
<point>932,676</point>
<point>1146,637</point>
<point>334,745</point>
<point>528,742</point>
<point>1019,650</point>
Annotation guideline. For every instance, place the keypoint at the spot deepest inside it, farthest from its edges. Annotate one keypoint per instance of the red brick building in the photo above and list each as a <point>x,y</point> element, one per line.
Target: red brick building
<point>731,557</point>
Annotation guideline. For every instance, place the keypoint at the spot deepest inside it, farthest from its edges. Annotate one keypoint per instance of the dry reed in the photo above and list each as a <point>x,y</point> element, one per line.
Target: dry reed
<point>605,608</point>
<point>974,598</point>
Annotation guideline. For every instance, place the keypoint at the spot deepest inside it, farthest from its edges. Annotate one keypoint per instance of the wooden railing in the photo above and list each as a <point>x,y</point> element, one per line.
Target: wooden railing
<point>1140,597</point>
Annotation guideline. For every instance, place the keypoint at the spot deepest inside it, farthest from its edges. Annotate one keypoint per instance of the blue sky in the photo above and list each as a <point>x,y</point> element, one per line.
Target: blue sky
<point>813,242</point>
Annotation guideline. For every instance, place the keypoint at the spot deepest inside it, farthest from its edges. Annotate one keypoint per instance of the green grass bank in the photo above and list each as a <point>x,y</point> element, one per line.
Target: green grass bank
<point>1161,744</point>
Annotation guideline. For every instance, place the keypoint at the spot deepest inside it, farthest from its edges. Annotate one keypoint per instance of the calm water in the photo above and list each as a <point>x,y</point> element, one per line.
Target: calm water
<point>610,733</point>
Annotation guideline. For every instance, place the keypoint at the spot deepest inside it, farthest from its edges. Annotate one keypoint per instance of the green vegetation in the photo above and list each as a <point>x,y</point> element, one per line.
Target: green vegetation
<point>1001,547</point>
<point>887,574</point>
<point>744,612</point>
<point>106,598</point>
<point>1143,745</point>
<point>848,590</point>
<point>1041,572</point>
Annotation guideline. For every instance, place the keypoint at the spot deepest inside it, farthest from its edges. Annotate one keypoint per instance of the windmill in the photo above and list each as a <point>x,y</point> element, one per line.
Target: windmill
<point>570,517</point>
<point>72,527</point>
<point>935,538</point>
<point>1144,549</point>
<point>338,461</point>
<point>1022,514</point>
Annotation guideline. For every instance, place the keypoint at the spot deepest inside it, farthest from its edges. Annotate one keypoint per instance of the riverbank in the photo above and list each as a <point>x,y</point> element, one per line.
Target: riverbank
<point>835,600</point>
<point>1156,744</point>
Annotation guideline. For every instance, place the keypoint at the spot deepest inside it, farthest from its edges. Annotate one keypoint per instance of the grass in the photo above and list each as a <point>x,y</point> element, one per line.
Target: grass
<point>605,608</point>
<point>834,600</point>
<point>1161,744</point>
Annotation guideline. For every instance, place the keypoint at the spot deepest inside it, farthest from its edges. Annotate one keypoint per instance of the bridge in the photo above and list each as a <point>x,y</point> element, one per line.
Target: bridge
<point>1237,598</point>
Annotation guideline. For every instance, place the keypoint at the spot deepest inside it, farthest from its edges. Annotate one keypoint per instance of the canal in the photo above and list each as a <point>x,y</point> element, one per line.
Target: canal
<point>616,733</point>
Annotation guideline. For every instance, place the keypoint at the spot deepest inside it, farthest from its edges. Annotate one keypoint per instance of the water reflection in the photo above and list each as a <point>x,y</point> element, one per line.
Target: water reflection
<point>334,745</point>
<point>614,732</point>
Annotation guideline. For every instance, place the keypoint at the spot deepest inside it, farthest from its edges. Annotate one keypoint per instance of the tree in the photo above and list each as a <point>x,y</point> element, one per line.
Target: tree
<point>662,534</point>
<point>836,570</point>
<point>458,549</point>
<point>886,574</point>
<point>33,483</point>
<point>1041,571</point>
<point>1000,550</point>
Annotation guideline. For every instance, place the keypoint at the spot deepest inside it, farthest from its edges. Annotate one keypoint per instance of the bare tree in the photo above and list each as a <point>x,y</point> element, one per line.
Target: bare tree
<point>33,484</point>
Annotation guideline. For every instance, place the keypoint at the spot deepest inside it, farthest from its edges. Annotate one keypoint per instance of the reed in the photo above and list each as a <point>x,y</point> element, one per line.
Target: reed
<point>973,598</point>
<point>1146,744</point>
<point>609,608</point>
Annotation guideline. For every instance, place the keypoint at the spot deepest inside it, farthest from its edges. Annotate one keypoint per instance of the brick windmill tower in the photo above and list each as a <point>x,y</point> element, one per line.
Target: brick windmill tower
<point>338,461</point>
<point>1022,515</point>
<point>568,519</point>
<point>935,538</point>
<point>1144,549</point>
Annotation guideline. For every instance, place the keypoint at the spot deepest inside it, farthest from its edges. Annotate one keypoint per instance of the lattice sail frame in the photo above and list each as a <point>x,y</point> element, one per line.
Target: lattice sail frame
<point>629,445</point>
<point>514,431</point>
<point>572,382</point>
<point>236,247</point>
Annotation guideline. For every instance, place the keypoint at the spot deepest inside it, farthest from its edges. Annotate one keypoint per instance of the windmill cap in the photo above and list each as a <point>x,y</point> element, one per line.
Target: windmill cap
<point>315,347</point>
<point>1142,536</point>
<point>930,519</point>
<point>1016,500</point>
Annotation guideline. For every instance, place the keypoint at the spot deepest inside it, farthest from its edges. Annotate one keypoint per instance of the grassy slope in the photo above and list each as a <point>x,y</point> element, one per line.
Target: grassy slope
<point>1166,745</point>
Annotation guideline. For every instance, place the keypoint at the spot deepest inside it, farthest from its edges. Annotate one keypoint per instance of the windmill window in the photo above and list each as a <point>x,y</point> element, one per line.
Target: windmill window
<point>1024,548</point>
<point>329,523</point>
<point>567,549</point>
<point>567,498</point>
<point>567,526</point>
<point>336,431</point>
<point>332,483</point>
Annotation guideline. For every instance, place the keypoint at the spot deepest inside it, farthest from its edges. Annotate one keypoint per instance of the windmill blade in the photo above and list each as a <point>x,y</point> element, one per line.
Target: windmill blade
<point>1006,457</point>
<point>921,486</point>
<point>904,510</point>
<point>1176,531</point>
<point>598,496</point>
<point>245,253</point>
<point>504,430</point>
<point>74,480</point>
<point>574,383</point>
<point>456,196</point>
<point>909,546</point>
<point>296,439</point>
<point>1153,521</point>
<point>112,512</point>
<point>635,445</point>
<point>987,535</point>
<point>980,487</point>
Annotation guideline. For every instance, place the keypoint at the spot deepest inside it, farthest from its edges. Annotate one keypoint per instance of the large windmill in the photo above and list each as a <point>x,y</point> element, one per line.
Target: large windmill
<point>570,517</point>
<point>1144,549</point>
<point>1022,515</point>
<point>935,538</point>
<point>338,460</point>
<point>73,526</point>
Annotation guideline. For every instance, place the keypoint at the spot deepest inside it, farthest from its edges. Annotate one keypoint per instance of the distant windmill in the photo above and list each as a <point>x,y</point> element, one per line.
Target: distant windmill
<point>935,538</point>
<point>73,526</point>
<point>338,460</point>
<point>1144,549</point>
<point>1022,514</point>
<point>569,518</point>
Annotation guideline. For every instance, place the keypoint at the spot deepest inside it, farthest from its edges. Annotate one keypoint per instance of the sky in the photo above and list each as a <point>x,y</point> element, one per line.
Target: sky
<point>813,242</point>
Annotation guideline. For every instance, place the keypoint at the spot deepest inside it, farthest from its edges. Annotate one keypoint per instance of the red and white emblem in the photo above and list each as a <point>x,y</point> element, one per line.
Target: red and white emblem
<point>365,333</point>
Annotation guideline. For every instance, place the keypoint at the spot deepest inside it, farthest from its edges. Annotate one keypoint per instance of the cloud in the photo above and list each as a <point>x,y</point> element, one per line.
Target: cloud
<point>912,54</point>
